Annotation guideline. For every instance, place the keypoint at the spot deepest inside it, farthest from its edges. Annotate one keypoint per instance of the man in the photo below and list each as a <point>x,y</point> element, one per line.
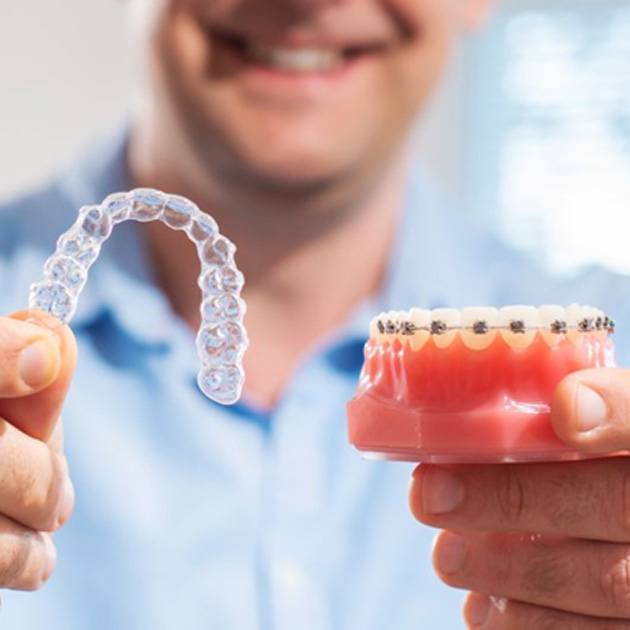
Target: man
<point>289,122</point>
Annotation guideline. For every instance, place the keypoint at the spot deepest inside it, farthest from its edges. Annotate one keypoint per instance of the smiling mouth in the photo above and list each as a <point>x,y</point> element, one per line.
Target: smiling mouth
<point>294,59</point>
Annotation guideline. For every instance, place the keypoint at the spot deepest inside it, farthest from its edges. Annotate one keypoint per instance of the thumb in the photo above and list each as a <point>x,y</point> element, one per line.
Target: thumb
<point>591,410</point>
<point>37,414</point>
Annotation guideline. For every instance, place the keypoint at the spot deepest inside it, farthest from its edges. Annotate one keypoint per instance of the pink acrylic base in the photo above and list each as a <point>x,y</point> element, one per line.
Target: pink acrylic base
<point>500,433</point>
<point>457,405</point>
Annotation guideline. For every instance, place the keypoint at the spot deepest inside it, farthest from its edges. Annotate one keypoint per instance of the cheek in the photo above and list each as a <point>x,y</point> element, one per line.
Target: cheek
<point>178,64</point>
<point>180,45</point>
<point>419,16</point>
<point>414,75</point>
<point>413,72</point>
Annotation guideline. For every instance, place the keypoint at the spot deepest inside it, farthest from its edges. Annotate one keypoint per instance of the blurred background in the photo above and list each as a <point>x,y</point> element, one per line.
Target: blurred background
<point>531,131</point>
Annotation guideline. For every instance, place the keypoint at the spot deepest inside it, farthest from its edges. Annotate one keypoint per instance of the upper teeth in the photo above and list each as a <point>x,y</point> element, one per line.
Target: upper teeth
<point>479,326</point>
<point>448,320</point>
<point>296,59</point>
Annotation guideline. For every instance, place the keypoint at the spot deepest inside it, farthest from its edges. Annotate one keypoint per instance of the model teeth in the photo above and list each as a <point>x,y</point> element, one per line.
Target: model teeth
<point>393,323</point>
<point>602,324</point>
<point>403,328</point>
<point>575,314</point>
<point>296,59</point>
<point>420,320</point>
<point>478,327</point>
<point>519,325</point>
<point>553,324</point>
<point>445,324</point>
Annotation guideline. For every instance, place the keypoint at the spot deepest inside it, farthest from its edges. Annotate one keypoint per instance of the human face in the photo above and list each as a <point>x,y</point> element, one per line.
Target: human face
<point>296,92</point>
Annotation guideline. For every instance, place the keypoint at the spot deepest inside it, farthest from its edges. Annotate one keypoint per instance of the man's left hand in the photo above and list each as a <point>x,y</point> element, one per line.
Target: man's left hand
<point>542,545</point>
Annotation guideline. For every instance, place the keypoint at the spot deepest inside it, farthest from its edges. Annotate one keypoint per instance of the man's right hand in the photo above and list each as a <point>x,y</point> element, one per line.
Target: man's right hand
<point>36,496</point>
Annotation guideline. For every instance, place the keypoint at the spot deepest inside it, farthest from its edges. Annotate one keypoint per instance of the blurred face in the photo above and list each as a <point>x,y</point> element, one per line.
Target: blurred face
<point>295,92</point>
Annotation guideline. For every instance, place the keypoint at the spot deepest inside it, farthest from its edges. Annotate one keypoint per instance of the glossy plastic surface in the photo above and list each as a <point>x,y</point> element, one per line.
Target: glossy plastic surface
<point>460,405</point>
<point>222,339</point>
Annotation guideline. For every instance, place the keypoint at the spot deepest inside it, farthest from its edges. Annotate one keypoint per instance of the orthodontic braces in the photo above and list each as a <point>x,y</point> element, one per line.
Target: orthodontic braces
<point>222,339</point>
<point>481,327</point>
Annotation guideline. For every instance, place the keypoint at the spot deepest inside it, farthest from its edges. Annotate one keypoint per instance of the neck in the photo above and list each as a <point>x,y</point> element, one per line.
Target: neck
<point>305,270</point>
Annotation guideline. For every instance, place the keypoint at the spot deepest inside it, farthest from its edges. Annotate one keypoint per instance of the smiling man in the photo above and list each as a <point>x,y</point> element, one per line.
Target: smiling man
<point>290,122</point>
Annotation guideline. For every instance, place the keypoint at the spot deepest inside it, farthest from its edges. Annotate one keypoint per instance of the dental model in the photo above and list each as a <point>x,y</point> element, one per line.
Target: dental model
<point>474,385</point>
<point>222,339</point>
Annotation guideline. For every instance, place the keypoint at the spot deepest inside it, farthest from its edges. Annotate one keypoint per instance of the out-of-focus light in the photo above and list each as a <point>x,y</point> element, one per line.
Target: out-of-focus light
<point>564,155</point>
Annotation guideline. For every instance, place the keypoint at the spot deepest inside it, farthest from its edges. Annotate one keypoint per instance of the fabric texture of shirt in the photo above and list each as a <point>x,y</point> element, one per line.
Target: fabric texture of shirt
<point>192,515</point>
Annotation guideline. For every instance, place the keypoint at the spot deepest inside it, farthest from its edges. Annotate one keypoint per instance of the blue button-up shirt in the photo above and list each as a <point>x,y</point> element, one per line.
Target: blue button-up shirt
<point>192,515</point>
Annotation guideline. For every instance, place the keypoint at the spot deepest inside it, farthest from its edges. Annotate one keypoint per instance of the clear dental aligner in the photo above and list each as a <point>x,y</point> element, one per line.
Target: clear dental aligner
<point>222,338</point>
<point>478,326</point>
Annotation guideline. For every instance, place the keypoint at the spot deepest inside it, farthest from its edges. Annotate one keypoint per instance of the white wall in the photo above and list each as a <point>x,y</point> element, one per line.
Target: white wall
<point>63,81</point>
<point>65,78</point>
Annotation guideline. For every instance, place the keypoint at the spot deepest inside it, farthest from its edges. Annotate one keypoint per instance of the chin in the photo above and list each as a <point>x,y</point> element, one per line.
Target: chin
<point>295,167</point>
<point>289,153</point>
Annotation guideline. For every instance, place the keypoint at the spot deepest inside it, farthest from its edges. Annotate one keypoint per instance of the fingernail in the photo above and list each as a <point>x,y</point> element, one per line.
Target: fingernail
<point>51,557</point>
<point>451,551</point>
<point>442,491</point>
<point>38,363</point>
<point>478,609</point>
<point>591,409</point>
<point>67,502</point>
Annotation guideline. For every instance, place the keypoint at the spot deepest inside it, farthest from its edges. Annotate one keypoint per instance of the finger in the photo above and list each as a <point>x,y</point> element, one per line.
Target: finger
<point>591,410</point>
<point>35,489</point>
<point>55,441</point>
<point>579,576</point>
<point>587,499</point>
<point>29,358</point>
<point>38,413</point>
<point>27,558</point>
<point>483,612</point>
